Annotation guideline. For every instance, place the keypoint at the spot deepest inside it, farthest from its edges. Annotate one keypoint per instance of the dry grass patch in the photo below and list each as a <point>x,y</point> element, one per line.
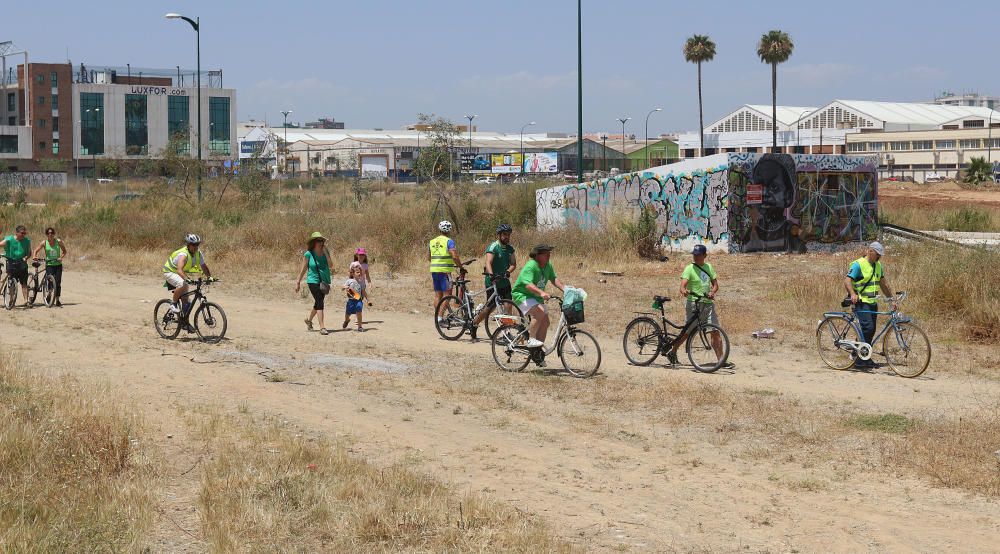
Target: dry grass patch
<point>270,489</point>
<point>74,475</point>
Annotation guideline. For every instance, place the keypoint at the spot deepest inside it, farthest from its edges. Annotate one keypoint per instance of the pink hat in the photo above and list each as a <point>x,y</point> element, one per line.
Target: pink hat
<point>361,251</point>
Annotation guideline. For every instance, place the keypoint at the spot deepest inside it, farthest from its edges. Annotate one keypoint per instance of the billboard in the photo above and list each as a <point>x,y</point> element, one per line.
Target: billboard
<point>506,163</point>
<point>475,163</point>
<point>541,162</point>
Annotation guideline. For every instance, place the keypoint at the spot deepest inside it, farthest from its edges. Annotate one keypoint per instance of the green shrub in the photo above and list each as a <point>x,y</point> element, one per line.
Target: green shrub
<point>968,219</point>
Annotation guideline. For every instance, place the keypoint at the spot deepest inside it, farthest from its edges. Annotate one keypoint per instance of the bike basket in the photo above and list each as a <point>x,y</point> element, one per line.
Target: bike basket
<point>573,312</point>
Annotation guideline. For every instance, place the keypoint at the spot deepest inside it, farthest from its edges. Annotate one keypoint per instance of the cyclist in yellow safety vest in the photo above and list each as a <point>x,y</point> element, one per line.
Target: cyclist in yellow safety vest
<point>865,281</point>
<point>443,260</point>
<point>181,265</point>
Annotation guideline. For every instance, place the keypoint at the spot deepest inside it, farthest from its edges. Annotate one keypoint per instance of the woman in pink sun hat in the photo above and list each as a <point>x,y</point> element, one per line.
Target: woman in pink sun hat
<point>361,262</point>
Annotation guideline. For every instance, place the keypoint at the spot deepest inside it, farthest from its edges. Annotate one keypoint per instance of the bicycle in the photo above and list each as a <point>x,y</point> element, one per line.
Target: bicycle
<point>8,286</point>
<point>574,346</point>
<point>906,349</point>
<point>46,285</point>
<point>457,310</point>
<point>209,318</point>
<point>645,339</point>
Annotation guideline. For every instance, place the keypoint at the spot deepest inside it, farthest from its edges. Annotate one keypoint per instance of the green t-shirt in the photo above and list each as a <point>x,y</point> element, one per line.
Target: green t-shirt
<point>698,281</point>
<point>17,249</point>
<point>535,275</point>
<point>501,260</point>
<point>318,270</point>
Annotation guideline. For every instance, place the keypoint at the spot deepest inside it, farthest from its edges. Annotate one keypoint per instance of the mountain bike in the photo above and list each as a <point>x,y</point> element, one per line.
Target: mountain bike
<point>578,350</point>
<point>8,286</point>
<point>41,282</point>
<point>645,338</point>
<point>905,346</point>
<point>209,319</point>
<point>458,310</point>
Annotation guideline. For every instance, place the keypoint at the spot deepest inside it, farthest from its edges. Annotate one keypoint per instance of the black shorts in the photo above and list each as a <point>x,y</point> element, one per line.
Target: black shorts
<point>317,294</point>
<point>503,291</point>
<point>18,269</point>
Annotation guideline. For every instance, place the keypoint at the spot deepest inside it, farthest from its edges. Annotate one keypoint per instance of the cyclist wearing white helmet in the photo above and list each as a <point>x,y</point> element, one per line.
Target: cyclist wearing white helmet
<point>443,260</point>
<point>184,262</point>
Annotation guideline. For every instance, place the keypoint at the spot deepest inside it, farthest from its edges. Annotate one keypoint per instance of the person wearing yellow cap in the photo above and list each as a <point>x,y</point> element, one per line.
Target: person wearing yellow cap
<point>316,270</point>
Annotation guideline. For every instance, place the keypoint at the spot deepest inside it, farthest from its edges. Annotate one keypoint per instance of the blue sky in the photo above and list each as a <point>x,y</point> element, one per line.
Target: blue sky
<point>379,63</point>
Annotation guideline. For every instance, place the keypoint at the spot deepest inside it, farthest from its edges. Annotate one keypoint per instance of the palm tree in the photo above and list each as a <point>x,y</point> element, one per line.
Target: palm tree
<point>979,171</point>
<point>775,47</point>
<point>697,49</point>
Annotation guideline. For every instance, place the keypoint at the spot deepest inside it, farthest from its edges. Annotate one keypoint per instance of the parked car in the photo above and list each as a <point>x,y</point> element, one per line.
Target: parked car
<point>484,180</point>
<point>934,178</point>
<point>104,181</point>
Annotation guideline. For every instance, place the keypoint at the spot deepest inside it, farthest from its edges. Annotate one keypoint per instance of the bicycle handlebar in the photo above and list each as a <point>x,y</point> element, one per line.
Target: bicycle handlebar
<point>203,280</point>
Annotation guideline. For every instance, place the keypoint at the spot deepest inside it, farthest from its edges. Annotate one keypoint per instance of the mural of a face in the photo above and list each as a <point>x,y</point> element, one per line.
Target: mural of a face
<point>776,172</point>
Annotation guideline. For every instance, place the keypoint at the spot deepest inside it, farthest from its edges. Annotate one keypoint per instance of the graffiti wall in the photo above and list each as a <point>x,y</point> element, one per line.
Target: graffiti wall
<point>691,207</point>
<point>33,179</point>
<point>732,202</point>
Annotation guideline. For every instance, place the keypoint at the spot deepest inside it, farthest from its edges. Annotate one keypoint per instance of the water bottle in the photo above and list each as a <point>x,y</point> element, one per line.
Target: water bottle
<point>479,307</point>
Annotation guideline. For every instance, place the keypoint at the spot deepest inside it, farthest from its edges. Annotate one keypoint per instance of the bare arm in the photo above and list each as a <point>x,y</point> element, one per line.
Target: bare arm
<point>884,285</point>
<point>715,288</point>
<point>204,267</point>
<point>62,249</point>
<point>457,260</point>
<point>849,285</point>
<point>302,273</point>
<point>684,288</point>
<point>37,250</point>
<point>559,284</point>
<point>489,263</point>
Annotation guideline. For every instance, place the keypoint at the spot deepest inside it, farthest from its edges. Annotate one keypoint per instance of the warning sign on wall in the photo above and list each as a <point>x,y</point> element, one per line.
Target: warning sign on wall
<point>755,194</point>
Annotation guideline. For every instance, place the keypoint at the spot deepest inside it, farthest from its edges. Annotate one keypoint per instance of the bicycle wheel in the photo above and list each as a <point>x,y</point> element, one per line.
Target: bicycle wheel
<point>580,353</point>
<point>907,350</point>
<point>32,289</point>
<point>830,331</point>
<point>701,349</point>
<point>49,290</point>
<point>10,293</point>
<point>210,322</point>
<point>453,322</point>
<point>507,308</point>
<point>642,341</point>
<point>165,321</point>
<point>507,352</point>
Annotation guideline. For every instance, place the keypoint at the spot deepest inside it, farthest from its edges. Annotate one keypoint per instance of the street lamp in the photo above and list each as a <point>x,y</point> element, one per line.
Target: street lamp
<point>196,25</point>
<point>522,144</point>
<point>604,150</point>
<point>622,120</point>
<point>579,91</point>
<point>285,114</point>
<point>470,118</point>
<point>646,147</point>
<point>989,141</point>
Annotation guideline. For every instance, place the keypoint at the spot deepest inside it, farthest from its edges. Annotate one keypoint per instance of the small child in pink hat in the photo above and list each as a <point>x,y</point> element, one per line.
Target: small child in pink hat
<point>361,262</point>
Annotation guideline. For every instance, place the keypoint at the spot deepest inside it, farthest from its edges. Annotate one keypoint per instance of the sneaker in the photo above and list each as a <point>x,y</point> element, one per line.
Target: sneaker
<point>309,324</point>
<point>534,343</point>
<point>361,329</point>
<point>175,309</point>
<point>323,331</point>
<point>672,357</point>
<point>472,333</point>
<point>58,304</point>
<point>346,323</point>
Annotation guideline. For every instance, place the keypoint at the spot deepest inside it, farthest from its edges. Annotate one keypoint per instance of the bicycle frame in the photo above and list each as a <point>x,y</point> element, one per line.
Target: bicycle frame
<point>198,296</point>
<point>461,290</point>
<point>685,329</point>
<point>852,319</point>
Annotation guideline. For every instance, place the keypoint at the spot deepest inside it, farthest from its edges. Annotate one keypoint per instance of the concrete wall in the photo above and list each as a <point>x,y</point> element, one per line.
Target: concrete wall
<point>23,133</point>
<point>795,202</point>
<point>33,179</point>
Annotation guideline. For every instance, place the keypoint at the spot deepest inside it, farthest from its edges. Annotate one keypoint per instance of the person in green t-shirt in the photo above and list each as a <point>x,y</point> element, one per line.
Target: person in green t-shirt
<point>529,292</point>
<point>17,248</point>
<point>316,270</point>
<point>54,250</point>
<point>500,263</point>
<point>700,284</point>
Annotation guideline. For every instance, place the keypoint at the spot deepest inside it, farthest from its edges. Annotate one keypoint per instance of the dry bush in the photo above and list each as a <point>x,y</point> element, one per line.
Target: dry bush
<point>73,475</point>
<point>957,453</point>
<point>962,218</point>
<point>268,489</point>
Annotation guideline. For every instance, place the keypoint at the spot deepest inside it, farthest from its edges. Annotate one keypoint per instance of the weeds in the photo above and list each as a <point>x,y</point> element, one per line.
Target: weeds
<point>885,423</point>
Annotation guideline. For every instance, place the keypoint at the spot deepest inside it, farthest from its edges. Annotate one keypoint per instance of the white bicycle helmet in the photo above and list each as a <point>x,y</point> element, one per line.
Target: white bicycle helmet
<point>444,226</point>
<point>192,238</point>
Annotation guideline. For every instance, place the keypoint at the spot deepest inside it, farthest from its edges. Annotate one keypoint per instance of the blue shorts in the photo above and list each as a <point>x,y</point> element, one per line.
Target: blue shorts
<point>442,282</point>
<point>354,306</point>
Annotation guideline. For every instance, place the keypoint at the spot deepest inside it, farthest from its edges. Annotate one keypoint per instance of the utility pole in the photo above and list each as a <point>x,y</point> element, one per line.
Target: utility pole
<point>579,91</point>
<point>623,120</point>
<point>646,147</point>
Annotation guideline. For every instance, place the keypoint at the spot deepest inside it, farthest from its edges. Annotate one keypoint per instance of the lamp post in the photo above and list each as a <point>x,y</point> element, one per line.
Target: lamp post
<point>579,91</point>
<point>604,151</point>
<point>416,158</point>
<point>284,158</point>
<point>646,147</point>
<point>522,144</point>
<point>989,141</point>
<point>470,118</point>
<point>622,120</point>
<point>196,25</point>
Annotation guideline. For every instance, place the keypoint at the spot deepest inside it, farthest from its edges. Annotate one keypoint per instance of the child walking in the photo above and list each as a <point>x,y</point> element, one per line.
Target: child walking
<point>356,296</point>
<point>365,279</point>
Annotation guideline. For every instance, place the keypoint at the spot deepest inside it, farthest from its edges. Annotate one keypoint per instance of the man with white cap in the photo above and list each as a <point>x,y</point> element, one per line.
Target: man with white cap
<point>865,281</point>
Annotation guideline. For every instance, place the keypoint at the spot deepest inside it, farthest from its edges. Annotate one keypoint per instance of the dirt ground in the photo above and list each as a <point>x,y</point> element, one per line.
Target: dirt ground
<point>935,195</point>
<point>620,480</point>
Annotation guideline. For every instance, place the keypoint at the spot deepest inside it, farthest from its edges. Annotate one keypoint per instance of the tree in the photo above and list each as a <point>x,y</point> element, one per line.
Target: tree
<point>979,171</point>
<point>774,47</point>
<point>698,49</point>
<point>435,161</point>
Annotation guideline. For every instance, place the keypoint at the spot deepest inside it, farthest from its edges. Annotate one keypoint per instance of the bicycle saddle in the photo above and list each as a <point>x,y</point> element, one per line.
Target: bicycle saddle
<point>661,299</point>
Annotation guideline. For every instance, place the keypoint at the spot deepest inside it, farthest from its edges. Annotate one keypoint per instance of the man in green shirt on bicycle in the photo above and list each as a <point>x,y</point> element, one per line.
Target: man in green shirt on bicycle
<point>529,292</point>
<point>17,248</point>
<point>500,263</point>
<point>700,284</point>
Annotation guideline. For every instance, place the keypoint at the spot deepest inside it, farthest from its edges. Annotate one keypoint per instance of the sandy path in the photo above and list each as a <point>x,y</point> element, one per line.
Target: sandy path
<point>389,393</point>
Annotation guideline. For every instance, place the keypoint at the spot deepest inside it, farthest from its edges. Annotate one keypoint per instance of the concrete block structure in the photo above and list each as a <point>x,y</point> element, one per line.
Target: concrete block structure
<point>738,202</point>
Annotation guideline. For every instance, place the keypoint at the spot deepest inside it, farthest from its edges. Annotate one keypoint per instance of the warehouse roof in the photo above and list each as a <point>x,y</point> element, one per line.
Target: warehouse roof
<point>913,113</point>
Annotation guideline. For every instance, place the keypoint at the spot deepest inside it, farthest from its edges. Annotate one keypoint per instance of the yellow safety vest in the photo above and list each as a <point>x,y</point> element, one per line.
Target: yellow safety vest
<point>870,289</point>
<point>190,266</point>
<point>441,260</point>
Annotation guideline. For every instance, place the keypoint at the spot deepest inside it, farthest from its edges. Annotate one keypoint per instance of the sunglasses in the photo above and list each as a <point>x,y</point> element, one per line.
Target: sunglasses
<point>50,232</point>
